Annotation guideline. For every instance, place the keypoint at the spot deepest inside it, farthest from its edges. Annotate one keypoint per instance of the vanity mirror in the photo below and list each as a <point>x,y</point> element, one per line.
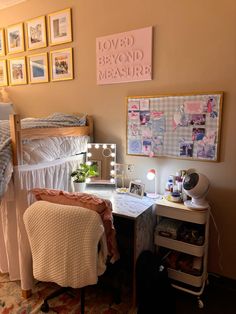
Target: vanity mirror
<point>104,156</point>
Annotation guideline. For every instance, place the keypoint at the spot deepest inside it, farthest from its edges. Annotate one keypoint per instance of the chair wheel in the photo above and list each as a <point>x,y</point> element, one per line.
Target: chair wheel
<point>45,307</point>
<point>200,304</point>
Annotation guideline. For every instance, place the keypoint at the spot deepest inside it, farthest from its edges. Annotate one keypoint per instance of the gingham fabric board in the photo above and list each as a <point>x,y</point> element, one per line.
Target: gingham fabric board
<point>184,126</point>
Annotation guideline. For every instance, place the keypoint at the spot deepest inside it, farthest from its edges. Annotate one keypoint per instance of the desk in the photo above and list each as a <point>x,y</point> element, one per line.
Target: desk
<point>134,221</point>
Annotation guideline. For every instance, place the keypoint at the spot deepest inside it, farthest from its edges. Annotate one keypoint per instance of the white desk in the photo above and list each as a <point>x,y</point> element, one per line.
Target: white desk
<point>134,220</point>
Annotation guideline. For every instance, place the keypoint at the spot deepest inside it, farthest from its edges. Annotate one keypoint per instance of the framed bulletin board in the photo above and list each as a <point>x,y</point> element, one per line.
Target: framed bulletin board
<point>180,126</point>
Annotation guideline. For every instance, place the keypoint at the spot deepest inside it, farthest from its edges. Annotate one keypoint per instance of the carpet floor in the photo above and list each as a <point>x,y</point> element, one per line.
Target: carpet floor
<point>97,300</point>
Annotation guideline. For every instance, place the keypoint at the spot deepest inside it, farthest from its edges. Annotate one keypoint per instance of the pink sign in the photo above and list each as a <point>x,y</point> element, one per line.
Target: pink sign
<point>124,57</point>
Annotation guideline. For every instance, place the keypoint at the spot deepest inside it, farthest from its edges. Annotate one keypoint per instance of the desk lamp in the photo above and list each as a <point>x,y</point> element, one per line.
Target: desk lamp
<point>152,174</point>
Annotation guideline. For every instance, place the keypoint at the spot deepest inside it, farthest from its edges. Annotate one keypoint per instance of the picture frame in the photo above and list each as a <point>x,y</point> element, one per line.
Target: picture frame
<point>3,73</point>
<point>61,65</point>
<point>15,38</point>
<point>17,71</point>
<point>38,68</point>
<point>136,189</point>
<point>2,42</point>
<point>35,30</point>
<point>60,27</point>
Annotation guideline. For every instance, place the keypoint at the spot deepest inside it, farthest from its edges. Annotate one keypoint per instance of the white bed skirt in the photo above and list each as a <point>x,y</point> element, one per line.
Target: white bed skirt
<point>15,254</point>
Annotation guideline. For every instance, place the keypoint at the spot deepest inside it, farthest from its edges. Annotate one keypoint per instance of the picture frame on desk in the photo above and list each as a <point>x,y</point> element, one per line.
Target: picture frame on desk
<point>136,189</point>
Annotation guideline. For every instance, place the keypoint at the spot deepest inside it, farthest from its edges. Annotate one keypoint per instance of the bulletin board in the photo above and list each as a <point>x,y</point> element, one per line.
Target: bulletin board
<point>183,126</point>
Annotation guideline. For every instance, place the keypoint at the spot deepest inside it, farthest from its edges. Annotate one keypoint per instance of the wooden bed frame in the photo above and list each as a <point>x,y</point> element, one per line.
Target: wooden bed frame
<point>18,134</point>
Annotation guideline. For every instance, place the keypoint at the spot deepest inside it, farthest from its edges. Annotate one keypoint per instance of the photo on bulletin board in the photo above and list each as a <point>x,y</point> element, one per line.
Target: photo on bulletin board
<point>185,126</point>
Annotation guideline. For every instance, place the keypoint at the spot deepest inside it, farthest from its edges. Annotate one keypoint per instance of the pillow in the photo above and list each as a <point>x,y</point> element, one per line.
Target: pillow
<point>90,201</point>
<point>5,110</point>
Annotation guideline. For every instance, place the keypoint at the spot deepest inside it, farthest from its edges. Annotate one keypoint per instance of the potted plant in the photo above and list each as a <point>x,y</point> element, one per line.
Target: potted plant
<point>81,174</point>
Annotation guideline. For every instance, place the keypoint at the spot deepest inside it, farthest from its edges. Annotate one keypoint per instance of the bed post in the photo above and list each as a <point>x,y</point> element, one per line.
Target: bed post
<point>90,124</point>
<point>15,129</point>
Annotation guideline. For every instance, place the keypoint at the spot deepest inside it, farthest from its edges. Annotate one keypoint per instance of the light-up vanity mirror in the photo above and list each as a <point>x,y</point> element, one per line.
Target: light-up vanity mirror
<point>104,157</point>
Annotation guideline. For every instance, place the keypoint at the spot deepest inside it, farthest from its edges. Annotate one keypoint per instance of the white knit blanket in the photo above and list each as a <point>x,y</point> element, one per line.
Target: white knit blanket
<point>64,243</point>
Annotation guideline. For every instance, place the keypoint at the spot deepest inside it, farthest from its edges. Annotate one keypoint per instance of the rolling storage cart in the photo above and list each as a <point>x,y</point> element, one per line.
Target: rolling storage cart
<point>181,280</point>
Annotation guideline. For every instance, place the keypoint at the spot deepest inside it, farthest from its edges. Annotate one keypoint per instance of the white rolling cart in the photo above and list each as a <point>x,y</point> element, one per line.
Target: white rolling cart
<point>178,211</point>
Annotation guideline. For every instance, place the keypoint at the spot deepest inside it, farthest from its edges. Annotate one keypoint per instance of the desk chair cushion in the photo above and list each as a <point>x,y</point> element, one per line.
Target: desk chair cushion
<point>64,243</point>
<point>90,201</point>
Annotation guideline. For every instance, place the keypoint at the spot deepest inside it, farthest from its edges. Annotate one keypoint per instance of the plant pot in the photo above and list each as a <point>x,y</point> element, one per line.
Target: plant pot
<point>79,186</point>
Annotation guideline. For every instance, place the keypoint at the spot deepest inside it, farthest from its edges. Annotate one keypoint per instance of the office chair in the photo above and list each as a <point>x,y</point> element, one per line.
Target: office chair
<point>68,246</point>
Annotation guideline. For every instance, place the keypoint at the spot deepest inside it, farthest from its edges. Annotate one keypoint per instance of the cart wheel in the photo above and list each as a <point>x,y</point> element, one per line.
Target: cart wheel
<point>200,304</point>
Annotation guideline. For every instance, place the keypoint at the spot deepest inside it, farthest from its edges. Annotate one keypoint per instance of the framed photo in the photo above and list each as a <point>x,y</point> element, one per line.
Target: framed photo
<point>38,68</point>
<point>15,38</point>
<point>17,71</point>
<point>61,64</point>
<point>2,42</point>
<point>35,30</point>
<point>136,189</point>
<point>60,27</point>
<point>3,73</point>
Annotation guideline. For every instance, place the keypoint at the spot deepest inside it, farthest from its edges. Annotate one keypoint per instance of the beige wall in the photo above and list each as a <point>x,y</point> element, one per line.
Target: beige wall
<point>194,50</point>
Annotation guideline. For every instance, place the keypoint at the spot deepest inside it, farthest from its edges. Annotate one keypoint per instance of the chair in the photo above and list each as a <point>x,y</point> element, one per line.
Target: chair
<point>68,246</point>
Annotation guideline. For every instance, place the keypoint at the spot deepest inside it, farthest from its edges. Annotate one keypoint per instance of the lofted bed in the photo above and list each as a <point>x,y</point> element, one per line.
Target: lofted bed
<point>57,152</point>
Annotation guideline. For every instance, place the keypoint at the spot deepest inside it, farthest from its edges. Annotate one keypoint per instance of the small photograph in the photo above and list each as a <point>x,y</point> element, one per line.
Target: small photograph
<point>134,115</point>
<point>15,38</point>
<point>17,71</point>
<point>134,146</point>
<point>61,64</point>
<point>134,129</point>
<point>198,134</point>
<point>197,119</point>
<point>159,125</point>
<point>133,105</point>
<point>144,104</point>
<point>156,115</point>
<point>136,189</point>
<point>186,149</point>
<point>206,151</point>
<point>60,27</point>
<point>158,144</point>
<point>144,117</point>
<point>3,73</point>
<point>147,146</point>
<point>194,106</point>
<point>146,131</point>
<point>36,33</point>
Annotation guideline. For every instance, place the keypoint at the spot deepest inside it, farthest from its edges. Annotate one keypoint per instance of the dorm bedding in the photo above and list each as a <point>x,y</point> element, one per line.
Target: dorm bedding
<point>42,150</point>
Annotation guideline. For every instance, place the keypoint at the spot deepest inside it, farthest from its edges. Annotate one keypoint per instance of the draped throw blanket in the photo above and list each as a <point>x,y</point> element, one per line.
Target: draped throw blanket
<point>64,244</point>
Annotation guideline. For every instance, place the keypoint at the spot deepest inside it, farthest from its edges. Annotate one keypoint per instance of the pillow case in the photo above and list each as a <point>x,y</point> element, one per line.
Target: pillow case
<point>102,206</point>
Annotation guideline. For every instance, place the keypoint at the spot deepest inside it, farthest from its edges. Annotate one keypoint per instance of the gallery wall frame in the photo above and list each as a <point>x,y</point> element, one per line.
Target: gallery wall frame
<point>17,71</point>
<point>3,73</point>
<point>185,125</point>
<point>61,65</point>
<point>36,34</point>
<point>2,42</point>
<point>15,38</point>
<point>38,68</point>
<point>59,27</point>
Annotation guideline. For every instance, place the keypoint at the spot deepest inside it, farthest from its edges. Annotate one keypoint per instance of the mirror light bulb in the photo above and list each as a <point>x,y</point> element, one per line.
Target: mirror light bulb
<point>89,145</point>
<point>112,163</point>
<point>112,180</point>
<point>113,146</point>
<point>113,154</point>
<point>104,146</point>
<point>89,163</point>
<point>97,146</point>
<point>89,154</point>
